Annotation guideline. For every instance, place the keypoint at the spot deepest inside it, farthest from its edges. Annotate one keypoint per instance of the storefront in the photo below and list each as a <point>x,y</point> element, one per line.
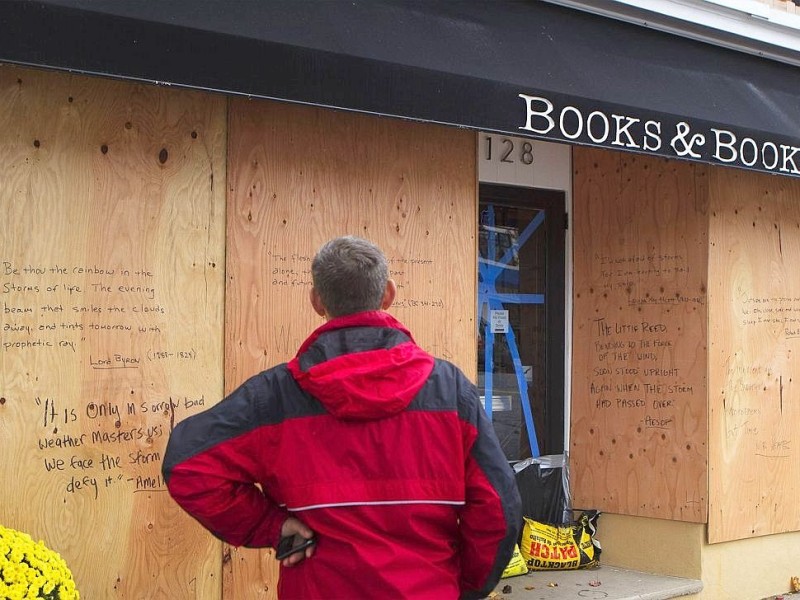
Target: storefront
<point>597,221</point>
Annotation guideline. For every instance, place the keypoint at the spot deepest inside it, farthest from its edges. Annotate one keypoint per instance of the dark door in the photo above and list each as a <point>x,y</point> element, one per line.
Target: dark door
<point>521,317</point>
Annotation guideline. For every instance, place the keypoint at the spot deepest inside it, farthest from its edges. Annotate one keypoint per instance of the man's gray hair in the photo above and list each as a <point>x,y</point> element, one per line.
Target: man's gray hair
<point>350,275</point>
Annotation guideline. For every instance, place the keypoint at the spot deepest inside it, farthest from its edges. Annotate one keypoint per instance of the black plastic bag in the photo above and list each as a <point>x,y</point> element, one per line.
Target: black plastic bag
<point>543,484</point>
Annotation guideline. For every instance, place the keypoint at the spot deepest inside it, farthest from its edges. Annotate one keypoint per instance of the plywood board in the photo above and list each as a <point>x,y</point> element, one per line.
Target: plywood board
<point>111,287</point>
<point>754,325</point>
<point>300,176</point>
<point>639,425</point>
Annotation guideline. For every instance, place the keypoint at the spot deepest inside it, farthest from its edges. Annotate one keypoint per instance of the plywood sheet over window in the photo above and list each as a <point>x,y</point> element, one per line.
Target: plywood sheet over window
<point>754,328</point>
<point>300,176</point>
<point>111,286</point>
<point>639,424</point>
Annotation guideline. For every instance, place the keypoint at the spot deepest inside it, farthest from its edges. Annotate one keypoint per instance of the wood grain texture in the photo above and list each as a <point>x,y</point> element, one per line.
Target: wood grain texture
<point>639,400</point>
<point>299,176</point>
<point>111,291</point>
<point>754,328</point>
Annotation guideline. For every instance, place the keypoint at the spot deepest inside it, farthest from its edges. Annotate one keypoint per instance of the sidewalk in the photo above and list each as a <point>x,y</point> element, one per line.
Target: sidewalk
<point>603,582</point>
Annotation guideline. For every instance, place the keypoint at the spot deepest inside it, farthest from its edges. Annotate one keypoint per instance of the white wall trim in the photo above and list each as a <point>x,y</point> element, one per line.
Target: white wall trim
<point>743,25</point>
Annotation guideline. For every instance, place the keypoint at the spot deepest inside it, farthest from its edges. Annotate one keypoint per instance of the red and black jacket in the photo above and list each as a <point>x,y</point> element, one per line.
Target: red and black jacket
<point>384,451</point>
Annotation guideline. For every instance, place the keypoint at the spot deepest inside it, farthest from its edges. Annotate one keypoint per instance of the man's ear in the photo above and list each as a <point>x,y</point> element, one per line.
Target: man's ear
<point>389,294</point>
<point>316,302</point>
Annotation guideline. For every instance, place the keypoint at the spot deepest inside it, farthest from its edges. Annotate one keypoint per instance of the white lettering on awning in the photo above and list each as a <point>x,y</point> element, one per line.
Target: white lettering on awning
<point>601,128</point>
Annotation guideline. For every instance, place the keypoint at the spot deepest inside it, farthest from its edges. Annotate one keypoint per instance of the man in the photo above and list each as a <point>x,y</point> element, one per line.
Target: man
<point>365,443</point>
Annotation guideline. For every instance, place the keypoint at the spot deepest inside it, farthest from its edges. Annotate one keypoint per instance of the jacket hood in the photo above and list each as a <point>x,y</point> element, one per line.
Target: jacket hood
<point>362,366</point>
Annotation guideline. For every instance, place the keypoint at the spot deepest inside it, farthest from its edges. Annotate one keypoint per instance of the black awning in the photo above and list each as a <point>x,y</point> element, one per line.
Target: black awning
<point>525,68</point>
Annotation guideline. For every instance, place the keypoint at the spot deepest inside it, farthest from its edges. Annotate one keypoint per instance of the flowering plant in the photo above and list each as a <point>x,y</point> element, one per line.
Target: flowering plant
<point>31,571</point>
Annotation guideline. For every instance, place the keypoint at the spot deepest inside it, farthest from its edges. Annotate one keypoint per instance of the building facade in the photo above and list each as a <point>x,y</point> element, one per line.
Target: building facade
<point>598,221</point>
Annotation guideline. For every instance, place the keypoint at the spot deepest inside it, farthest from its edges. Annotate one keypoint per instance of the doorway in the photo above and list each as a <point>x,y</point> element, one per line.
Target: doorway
<point>521,312</point>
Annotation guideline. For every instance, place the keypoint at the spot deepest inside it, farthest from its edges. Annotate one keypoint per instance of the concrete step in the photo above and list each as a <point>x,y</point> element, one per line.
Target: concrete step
<point>602,582</point>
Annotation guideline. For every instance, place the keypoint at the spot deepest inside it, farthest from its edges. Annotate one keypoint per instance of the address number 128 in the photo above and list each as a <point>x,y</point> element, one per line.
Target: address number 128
<point>509,152</point>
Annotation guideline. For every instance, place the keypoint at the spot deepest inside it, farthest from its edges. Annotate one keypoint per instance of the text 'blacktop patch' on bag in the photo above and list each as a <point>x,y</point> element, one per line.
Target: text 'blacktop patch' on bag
<point>548,547</point>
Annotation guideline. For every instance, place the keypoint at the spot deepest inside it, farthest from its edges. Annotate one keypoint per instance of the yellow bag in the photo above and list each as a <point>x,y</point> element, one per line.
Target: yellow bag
<point>548,547</point>
<point>516,566</point>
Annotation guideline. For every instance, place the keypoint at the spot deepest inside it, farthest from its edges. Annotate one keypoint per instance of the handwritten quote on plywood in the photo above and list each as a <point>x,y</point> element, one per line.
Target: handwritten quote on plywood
<point>300,176</point>
<point>639,389</point>
<point>110,321</point>
<point>754,320</point>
